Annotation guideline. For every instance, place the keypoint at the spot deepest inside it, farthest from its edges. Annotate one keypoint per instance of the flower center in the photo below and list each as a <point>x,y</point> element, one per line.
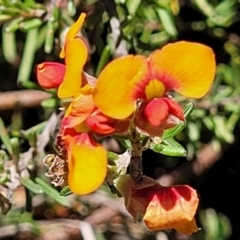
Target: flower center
<point>154,89</point>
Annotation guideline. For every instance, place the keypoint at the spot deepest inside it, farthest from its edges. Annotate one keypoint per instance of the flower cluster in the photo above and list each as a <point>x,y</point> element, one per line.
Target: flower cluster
<point>128,99</point>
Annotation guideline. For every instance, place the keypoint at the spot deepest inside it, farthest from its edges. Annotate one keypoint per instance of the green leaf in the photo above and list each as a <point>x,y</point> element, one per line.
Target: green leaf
<point>220,129</point>
<point>41,37</point>
<point>158,39</point>
<point>4,17</point>
<point>53,193</point>
<point>171,132</point>
<point>28,57</point>
<point>49,103</point>
<point>30,24</point>
<point>106,53</point>
<point>174,151</point>
<point>171,142</point>
<point>132,6</point>
<point>205,7</point>
<point>37,128</point>
<point>15,149</point>
<point>49,37</point>
<point>66,191</point>
<point>71,7</point>
<point>13,25</point>
<point>9,45</point>
<point>5,137</point>
<point>112,156</point>
<point>167,21</point>
<point>188,109</point>
<point>193,131</point>
<point>32,186</point>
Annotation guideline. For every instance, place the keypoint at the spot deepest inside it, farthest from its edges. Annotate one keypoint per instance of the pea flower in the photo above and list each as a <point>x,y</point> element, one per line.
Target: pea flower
<point>137,84</point>
<point>87,159</point>
<point>161,207</point>
<point>69,77</point>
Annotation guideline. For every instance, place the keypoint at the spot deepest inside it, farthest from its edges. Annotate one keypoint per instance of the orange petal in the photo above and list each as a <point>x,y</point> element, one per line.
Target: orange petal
<point>174,108</point>
<point>76,57</point>
<point>100,123</point>
<point>50,74</point>
<point>156,112</point>
<point>73,32</point>
<point>136,195</point>
<point>87,162</point>
<point>82,107</point>
<point>158,115</point>
<point>113,93</point>
<point>185,67</point>
<point>78,111</point>
<point>172,207</point>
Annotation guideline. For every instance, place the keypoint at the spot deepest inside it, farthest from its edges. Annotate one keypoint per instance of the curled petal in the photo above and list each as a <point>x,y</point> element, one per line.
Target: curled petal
<point>50,74</point>
<point>136,195</point>
<point>102,124</point>
<point>73,32</point>
<point>185,67</point>
<point>157,115</point>
<point>87,163</point>
<point>113,93</point>
<point>174,108</point>
<point>81,108</point>
<point>172,207</point>
<point>78,111</point>
<point>71,126</point>
<point>74,66</point>
<point>156,112</point>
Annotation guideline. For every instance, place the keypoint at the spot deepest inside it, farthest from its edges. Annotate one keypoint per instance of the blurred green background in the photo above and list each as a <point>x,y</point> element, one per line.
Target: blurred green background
<point>32,32</point>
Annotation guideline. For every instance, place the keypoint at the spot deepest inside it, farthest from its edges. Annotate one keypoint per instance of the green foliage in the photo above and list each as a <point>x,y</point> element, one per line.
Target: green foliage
<point>112,29</point>
<point>216,225</point>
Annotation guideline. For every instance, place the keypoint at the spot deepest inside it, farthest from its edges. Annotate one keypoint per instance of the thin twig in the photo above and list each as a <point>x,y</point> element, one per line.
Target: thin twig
<point>22,98</point>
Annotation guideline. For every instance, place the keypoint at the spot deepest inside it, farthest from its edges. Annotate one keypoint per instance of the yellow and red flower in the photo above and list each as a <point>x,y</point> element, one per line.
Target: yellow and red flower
<point>69,77</point>
<point>161,207</point>
<point>129,88</point>
<point>87,159</point>
<point>137,84</point>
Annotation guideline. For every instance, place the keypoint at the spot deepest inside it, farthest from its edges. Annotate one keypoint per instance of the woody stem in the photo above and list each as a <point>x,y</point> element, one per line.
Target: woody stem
<point>136,156</point>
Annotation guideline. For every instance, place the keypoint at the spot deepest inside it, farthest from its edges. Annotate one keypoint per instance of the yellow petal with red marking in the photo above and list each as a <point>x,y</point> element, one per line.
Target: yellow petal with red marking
<point>87,163</point>
<point>185,67</point>
<point>76,57</point>
<point>114,91</point>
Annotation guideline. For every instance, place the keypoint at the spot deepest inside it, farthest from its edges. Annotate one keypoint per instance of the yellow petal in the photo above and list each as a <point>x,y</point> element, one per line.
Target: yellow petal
<point>185,67</point>
<point>73,32</point>
<point>114,91</point>
<point>87,162</point>
<point>154,89</point>
<point>76,57</point>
